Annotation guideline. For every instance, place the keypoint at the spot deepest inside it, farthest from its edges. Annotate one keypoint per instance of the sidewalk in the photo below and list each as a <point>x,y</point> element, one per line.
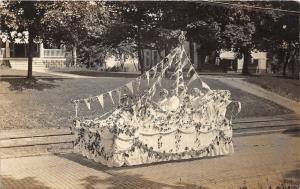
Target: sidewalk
<point>261,160</point>
<point>260,92</point>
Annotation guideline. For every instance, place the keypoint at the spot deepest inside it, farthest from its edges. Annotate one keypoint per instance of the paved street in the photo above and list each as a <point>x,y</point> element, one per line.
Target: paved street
<point>260,160</point>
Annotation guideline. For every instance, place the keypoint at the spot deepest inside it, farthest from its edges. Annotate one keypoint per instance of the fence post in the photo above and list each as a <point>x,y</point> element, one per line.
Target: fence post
<point>41,50</point>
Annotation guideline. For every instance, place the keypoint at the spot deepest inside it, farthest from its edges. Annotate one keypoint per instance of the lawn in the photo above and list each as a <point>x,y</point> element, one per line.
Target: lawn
<point>283,86</point>
<point>45,101</point>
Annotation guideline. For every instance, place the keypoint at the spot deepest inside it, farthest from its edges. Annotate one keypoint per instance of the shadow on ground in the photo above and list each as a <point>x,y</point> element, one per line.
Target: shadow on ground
<point>103,74</point>
<point>27,182</point>
<point>131,181</point>
<point>20,83</point>
<point>295,132</point>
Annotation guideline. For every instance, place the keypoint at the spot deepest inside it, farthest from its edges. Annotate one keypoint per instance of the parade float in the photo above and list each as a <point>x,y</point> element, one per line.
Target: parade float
<point>180,121</point>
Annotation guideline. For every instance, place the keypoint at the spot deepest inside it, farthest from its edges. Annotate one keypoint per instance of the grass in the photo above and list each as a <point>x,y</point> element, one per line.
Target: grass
<point>283,86</point>
<point>45,100</point>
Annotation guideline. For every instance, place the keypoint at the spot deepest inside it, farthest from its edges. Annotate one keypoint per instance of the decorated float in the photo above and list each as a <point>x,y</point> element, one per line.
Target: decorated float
<point>180,121</point>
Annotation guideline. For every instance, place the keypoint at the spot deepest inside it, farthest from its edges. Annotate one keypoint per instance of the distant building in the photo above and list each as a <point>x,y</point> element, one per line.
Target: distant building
<point>15,54</point>
<point>227,60</point>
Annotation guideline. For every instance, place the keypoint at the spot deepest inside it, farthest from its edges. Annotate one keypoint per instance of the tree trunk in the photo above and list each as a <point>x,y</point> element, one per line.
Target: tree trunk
<point>286,61</point>
<point>74,55</point>
<point>247,59</point>
<point>140,51</point>
<point>30,53</point>
<point>200,60</point>
<point>141,62</point>
<point>191,44</point>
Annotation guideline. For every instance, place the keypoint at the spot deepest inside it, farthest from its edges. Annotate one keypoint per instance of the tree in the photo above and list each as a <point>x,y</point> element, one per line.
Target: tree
<point>23,16</point>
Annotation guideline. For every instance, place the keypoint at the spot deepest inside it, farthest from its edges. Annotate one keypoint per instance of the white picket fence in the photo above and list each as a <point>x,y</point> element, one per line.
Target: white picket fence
<point>57,53</point>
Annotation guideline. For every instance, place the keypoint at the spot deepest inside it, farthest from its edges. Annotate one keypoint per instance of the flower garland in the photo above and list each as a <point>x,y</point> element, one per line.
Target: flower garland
<point>94,146</point>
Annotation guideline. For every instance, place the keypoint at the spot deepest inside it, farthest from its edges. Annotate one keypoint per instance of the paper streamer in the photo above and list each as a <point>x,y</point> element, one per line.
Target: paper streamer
<point>87,103</point>
<point>101,101</point>
<point>110,96</point>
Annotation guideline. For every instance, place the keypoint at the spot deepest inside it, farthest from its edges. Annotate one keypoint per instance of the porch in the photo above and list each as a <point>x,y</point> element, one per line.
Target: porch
<point>15,56</point>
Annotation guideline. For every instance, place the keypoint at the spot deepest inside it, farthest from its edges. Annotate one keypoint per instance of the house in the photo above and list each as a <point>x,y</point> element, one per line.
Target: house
<point>227,60</point>
<point>258,63</point>
<point>14,54</point>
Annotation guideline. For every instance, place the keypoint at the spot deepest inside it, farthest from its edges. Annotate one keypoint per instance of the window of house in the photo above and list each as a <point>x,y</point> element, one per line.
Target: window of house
<point>155,57</point>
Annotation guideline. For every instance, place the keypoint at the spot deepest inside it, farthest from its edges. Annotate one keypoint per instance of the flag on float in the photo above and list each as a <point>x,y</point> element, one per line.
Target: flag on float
<point>87,103</point>
<point>101,101</point>
<point>193,78</point>
<point>130,87</point>
<point>111,97</point>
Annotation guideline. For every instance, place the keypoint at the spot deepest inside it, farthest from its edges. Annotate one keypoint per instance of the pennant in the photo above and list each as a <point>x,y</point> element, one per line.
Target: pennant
<point>191,68</point>
<point>130,87</point>
<point>101,101</point>
<point>155,70</point>
<point>119,93</point>
<point>205,86</point>
<point>111,97</point>
<point>184,63</point>
<point>87,103</point>
<point>195,76</point>
<point>147,77</point>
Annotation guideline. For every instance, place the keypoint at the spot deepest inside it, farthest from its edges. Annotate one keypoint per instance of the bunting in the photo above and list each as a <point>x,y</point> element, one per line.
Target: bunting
<point>101,101</point>
<point>130,87</point>
<point>110,96</point>
<point>87,103</point>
